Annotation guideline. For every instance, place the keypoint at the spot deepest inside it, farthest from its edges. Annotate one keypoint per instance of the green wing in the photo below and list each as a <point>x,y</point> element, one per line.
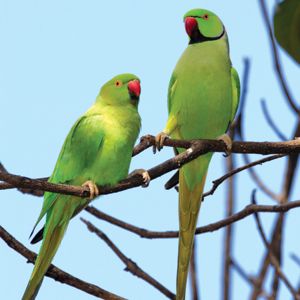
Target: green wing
<point>80,148</point>
<point>236,87</point>
<point>171,90</point>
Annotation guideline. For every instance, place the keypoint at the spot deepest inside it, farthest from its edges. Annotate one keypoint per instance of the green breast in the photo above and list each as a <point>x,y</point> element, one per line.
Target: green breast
<point>121,131</point>
<point>202,99</point>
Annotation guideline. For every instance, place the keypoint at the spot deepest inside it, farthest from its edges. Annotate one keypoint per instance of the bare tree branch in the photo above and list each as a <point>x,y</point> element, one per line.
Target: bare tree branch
<point>276,59</point>
<point>295,258</point>
<point>144,233</point>
<point>193,273</point>
<point>272,257</point>
<point>172,181</point>
<point>237,267</point>
<point>220,180</point>
<point>195,148</point>
<point>255,176</point>
<point>277,231</point>
<point>239,128</point>
<point>131,266</point>
<point>227,274</point>
<point>56,273</point>
<point>270,121</point>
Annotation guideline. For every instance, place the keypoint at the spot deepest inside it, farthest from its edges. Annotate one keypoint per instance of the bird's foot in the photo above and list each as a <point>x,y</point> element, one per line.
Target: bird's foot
<point>159,141</point>
<point>94,191</point>
<point>228,142</point>
<point>144,174</point>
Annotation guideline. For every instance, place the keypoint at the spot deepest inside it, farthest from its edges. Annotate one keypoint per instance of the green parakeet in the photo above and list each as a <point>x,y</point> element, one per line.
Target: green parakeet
<point>97,151</point>
<point>203,98</point>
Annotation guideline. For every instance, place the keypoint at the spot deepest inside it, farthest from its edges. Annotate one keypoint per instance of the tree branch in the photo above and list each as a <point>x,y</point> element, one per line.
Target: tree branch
<point>194,148</point>
<point>131,266</point>
<point>144,233</point>
<point>220,180</point>
<point>237,267</point>
<point>276,59</point>
<point>270,121</point>
<point>194,273</point>
<point>272,257</point>
<point>277,231</point>
<point>56,273</point>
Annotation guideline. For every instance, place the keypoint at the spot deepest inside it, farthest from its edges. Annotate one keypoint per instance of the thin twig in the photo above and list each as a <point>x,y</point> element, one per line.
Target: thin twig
<point>131,266</point>
<point>276,59</point>
<point>289,179</point>
<point>193,273</point>
<point>220,180</point>
<point>144,233</point>
<point>255,177</point>
<point>276,240</point>
<point>228,230</point>
<point>172,181</point>
<point>276,244</point>
<point>295,258</point>
<point>237,267</point>
<point>270,121</point>
<point>56,273</point>
<point>272,257</point>
<point>239,129</point>
<point>248,278</point>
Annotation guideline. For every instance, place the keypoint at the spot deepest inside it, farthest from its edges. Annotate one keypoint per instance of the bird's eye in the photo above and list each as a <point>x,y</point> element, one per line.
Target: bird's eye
<point>118,83</point>
<point>205,17</point>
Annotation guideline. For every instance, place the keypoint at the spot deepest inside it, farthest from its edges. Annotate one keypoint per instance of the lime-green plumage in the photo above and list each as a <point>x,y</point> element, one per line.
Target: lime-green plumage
<point>202,101</point>
<point>98,148</point>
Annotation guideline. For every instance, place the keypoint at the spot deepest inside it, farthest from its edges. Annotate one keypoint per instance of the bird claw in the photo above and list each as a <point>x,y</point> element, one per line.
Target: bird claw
<point>228,142</point>
<point>159,141</point>
<point>94,191</point>
<point>146,178</point>
<point>144,174</point>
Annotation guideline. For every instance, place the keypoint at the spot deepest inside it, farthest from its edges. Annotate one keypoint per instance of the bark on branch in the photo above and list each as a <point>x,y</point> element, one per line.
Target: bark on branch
<point>56,273</point>
<point>194,148</point>
<point>144,233</point>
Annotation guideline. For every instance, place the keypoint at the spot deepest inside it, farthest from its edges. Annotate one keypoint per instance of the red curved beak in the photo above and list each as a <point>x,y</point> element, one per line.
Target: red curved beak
<point>190,24</point>
<point>134,88</point>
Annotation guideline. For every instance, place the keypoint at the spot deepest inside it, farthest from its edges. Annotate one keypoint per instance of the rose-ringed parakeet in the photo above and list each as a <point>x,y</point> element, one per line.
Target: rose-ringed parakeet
<point>203,98</point>
<point>96,152</point>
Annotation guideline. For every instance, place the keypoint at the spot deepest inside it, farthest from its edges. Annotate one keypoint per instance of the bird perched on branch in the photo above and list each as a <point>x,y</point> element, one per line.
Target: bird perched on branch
<point>203,98</point>
<point>96,152</point>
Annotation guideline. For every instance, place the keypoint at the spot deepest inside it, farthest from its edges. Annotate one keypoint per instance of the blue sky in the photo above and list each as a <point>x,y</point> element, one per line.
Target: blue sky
<point>54,57</point>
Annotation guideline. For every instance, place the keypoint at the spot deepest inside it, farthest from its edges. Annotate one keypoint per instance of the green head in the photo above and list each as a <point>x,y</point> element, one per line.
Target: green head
<point>203,25</point>
<point>123,89</point>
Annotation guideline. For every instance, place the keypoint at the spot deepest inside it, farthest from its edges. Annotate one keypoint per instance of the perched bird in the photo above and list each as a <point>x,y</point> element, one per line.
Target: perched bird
<point>96,152</point>
<point>203,98</point>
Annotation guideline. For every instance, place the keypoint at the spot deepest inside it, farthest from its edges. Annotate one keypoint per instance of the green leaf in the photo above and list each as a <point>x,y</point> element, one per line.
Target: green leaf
<point>287,27</point>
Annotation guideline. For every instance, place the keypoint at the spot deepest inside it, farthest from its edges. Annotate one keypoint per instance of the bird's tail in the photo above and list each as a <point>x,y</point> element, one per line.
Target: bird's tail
<point>189,206</point>
<point>56,225</point>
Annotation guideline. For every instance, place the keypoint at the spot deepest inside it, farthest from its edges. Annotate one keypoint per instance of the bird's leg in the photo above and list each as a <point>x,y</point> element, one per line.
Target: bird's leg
<point>142,172</point>
<point>94,190</point>
<point>227,141</point>
<point>159,141</point>
<point>171,126</point>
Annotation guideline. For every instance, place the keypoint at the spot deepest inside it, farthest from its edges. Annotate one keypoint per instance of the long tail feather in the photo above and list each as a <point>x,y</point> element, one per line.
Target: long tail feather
<point>55,227</point>
<point>189,206</point>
